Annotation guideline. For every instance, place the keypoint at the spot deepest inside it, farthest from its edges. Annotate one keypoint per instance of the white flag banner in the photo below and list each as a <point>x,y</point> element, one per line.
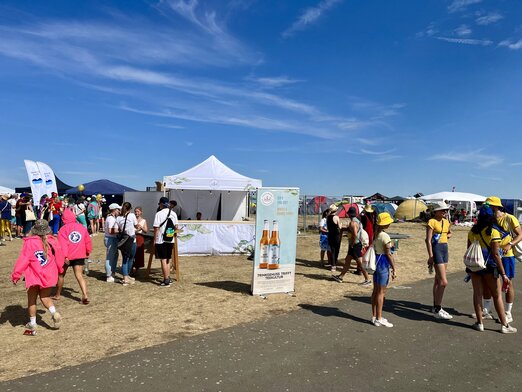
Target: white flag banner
<point>48,178</point>
<point>36,180</point>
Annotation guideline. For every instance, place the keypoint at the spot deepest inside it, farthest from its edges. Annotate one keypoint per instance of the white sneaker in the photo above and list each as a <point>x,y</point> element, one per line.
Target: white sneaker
<point>478,327</point>
<point>508,329</point>
<point>443,315</point>
<point>57,319</point>
<point>110,279</point>
<point>509,317</point>
<point>383,323</point>
<point>486,315</point>
<point>373,319</point>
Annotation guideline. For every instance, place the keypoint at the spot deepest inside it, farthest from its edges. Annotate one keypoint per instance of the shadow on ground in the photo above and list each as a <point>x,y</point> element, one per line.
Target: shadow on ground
<point>16,315</point>
<point>328,311</point>
<point>227,285</point>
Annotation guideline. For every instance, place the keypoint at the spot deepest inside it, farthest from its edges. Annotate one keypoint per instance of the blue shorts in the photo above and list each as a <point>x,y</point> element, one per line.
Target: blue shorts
<point>323,242</point>
<point>381,276</point>
<point>440,253</point>
<point>509,266</point>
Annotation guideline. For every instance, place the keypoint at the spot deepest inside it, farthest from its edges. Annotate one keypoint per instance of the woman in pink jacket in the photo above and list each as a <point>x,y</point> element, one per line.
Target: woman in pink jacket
<point>40,260</point>
<point>76,246</point>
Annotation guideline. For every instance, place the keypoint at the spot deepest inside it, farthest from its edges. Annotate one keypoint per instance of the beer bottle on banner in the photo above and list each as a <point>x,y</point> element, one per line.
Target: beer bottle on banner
<point>264,247</point>
<point>274,247</point>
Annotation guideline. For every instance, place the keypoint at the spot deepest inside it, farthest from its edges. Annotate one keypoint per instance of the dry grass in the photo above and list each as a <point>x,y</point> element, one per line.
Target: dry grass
<point>213,294</point>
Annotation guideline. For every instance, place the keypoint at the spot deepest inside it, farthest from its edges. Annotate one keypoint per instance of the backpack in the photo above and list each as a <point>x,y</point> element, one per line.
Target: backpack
<point>362,235</point>
<point>170,229</point>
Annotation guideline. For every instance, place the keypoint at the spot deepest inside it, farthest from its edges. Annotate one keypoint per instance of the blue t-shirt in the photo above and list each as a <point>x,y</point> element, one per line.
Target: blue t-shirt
<point>5,208</point>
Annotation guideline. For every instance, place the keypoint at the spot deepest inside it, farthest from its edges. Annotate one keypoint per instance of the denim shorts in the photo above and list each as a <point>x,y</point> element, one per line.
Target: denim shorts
<point>440,253</point>
<point>381,276</point>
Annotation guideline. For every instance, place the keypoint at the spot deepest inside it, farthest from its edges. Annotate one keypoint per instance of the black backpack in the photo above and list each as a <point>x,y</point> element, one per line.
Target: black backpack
<point>170,229</point>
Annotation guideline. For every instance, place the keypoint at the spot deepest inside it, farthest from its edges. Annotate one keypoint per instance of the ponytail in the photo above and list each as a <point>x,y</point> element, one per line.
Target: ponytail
<point>45,245</point>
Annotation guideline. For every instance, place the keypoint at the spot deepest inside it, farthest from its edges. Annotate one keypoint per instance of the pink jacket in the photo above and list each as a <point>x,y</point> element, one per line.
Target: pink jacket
<point>39,270</point>
<point>74,238</point>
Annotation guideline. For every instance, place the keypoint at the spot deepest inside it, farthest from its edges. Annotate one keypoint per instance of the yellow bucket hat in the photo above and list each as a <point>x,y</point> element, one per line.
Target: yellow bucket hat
<point>384,219</point>
<point>494,201</point>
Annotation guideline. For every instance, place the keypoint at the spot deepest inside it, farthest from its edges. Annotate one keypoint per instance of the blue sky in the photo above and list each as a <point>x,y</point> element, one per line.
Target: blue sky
<point>335,97</point>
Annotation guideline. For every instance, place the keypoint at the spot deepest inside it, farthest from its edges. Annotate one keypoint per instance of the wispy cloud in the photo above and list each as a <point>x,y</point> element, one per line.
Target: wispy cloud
<point>513,45</point>
<point>170,126</point>
<point>476,157</point>
<point>460,5</point>
<point>463,31</point>
<point>485,178</point>
<point>516,164</point>
<point>489,18</point>
<point>370,152</point>
<point>276,81</point>
<point>466,41</point>
<point>309,16</point>
<point>429,31</point>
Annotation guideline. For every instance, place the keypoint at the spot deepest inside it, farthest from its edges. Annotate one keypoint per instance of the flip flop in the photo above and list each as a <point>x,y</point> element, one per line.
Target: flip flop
<point>85,301</point>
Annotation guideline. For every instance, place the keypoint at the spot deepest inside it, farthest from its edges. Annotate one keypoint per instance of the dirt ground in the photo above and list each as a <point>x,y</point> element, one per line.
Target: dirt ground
<point>214,293</point>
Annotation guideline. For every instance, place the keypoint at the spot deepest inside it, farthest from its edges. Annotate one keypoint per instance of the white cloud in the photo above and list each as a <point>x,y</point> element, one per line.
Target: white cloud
<point>490,18</point>
<point>460,5</point>
<point>309,16</point>
<point>463,31</point>
<point>369,152</point>
<point>511,45</point>
<point>466,41</point>
<point>189,144</point>
<point>429,31</point>
<point>276,81</point>
<point>170,126</point>
<point>476,157</point>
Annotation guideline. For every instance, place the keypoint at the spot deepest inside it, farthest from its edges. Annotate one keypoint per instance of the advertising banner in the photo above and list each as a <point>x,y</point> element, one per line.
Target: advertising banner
<point>276,240</point>
<point>41,178</point>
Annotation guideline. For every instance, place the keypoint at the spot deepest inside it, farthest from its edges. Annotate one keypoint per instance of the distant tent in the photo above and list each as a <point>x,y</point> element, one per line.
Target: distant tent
<point>513,207</point>
<point>397,199</point>
<point>342,212</point>
<point>410,209</point>
<point>384,207</point>
<point>62,187</point>
<point>376,196</point>
<point>105,187</point>
<point>317,204</point>
<point>4,190</point>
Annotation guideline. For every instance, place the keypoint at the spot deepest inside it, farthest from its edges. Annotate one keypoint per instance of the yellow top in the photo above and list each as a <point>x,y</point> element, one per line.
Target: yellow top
<point>507,222</point>
<point>380,243</point>
<point>441,227</point>
<point>484,240</point>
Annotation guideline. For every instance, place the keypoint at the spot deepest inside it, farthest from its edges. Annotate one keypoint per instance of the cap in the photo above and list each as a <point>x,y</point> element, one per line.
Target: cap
<point>114,206</point>
<point>494,201</point>
<point>164,200</point>
<point>384,219</point>
<point>352,211</point>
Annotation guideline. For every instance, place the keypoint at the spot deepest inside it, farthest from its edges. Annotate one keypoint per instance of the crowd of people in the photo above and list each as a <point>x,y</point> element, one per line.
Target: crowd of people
<point>46,255</point>
<point>496,231</point>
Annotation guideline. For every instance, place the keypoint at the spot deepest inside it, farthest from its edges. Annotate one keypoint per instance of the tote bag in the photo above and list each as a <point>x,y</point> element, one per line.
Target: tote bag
<point>369,260</point>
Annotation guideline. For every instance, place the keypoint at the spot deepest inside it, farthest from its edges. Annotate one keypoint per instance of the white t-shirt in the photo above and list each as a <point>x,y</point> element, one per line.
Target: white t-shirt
<point>160,217</point>
<point>130,226</point>
<point>380,243</point>
<point>78,209</point>
<point>323,225</point>
<point>110,223</point>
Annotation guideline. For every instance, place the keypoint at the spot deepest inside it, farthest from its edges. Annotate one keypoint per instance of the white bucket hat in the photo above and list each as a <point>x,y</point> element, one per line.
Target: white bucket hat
<point>439,206</point>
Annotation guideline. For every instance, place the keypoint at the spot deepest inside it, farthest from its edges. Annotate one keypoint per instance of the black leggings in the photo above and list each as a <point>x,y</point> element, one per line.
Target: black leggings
<point>335,246</point>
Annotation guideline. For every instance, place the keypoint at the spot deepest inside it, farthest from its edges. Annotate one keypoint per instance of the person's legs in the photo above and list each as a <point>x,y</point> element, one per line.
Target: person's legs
<point>59,285</point>
<point>45,297</point>
<point>32,296</point>
<point>322,256</point>
<point>111,260</point>
<point>439,285</point>
<point>78,274</point>
<point>346,266</point>
<point>476,281</point>
<point>360,267</point>
<point>374,300</point>
<point>494,287</point>
<point>381,290</point>
<point>165,269</point>
<point>509,268</point>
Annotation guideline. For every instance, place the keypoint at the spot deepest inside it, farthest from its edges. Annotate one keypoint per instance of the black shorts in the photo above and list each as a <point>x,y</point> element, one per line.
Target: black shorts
<point>164,251</point>
<point>72,263</point>
<point>355,251</point>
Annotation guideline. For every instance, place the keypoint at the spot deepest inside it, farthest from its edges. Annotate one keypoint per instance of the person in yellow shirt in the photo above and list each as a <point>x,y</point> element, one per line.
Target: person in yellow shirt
<point>487,279</point>
<point>438,231</point>
<point>506,224</point>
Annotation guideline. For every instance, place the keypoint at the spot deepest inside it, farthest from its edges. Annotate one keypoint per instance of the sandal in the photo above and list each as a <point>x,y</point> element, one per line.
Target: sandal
<point>85,301</point>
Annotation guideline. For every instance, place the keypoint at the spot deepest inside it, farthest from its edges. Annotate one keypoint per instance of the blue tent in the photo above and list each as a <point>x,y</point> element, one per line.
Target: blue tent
<point>105,187</point>
<point>384,207</point>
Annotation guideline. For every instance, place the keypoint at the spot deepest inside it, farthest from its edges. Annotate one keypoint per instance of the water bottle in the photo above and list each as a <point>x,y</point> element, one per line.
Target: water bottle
<point>505,286</point>
<point>467,278</point>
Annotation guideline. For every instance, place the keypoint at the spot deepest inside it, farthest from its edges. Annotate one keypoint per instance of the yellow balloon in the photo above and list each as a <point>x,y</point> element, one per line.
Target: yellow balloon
<point>81,188</point>
<point>99,196</point>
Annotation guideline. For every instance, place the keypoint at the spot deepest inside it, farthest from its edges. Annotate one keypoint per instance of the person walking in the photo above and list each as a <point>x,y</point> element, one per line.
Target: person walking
<point>438,232</point>
<point>323,239</point>
<point>385,264</point>
<point>510,233</point>
<point>111,242</point>
<point>165,225</point>
<point>93,214</point>
<point>5,218</point>
<point>40,261</point>
<point>487,279</point>
<point>76,246</point>
<point>79,211</point>
<point>57,210</point>
<point>355,248</point>
<point>333,224</point>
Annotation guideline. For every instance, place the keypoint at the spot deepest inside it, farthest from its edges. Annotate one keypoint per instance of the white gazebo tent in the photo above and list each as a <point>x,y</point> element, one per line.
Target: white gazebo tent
<point>213,189</point>
<point>4,190</point>
<point>470,199</point>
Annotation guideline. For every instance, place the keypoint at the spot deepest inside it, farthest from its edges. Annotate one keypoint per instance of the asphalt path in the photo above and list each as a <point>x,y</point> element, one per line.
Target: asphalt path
<point>331,347</point>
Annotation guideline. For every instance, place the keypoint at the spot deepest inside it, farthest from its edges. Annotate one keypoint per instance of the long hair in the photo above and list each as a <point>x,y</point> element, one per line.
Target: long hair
<point>125,208</point>
<point>45,244</point>
<point>484,221</point>
<point>326,213</point>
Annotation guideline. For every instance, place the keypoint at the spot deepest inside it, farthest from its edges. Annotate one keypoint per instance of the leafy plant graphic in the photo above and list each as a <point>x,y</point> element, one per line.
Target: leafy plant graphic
<point>199,228</point>
<point>244,247</point>
<point>185,237</point>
